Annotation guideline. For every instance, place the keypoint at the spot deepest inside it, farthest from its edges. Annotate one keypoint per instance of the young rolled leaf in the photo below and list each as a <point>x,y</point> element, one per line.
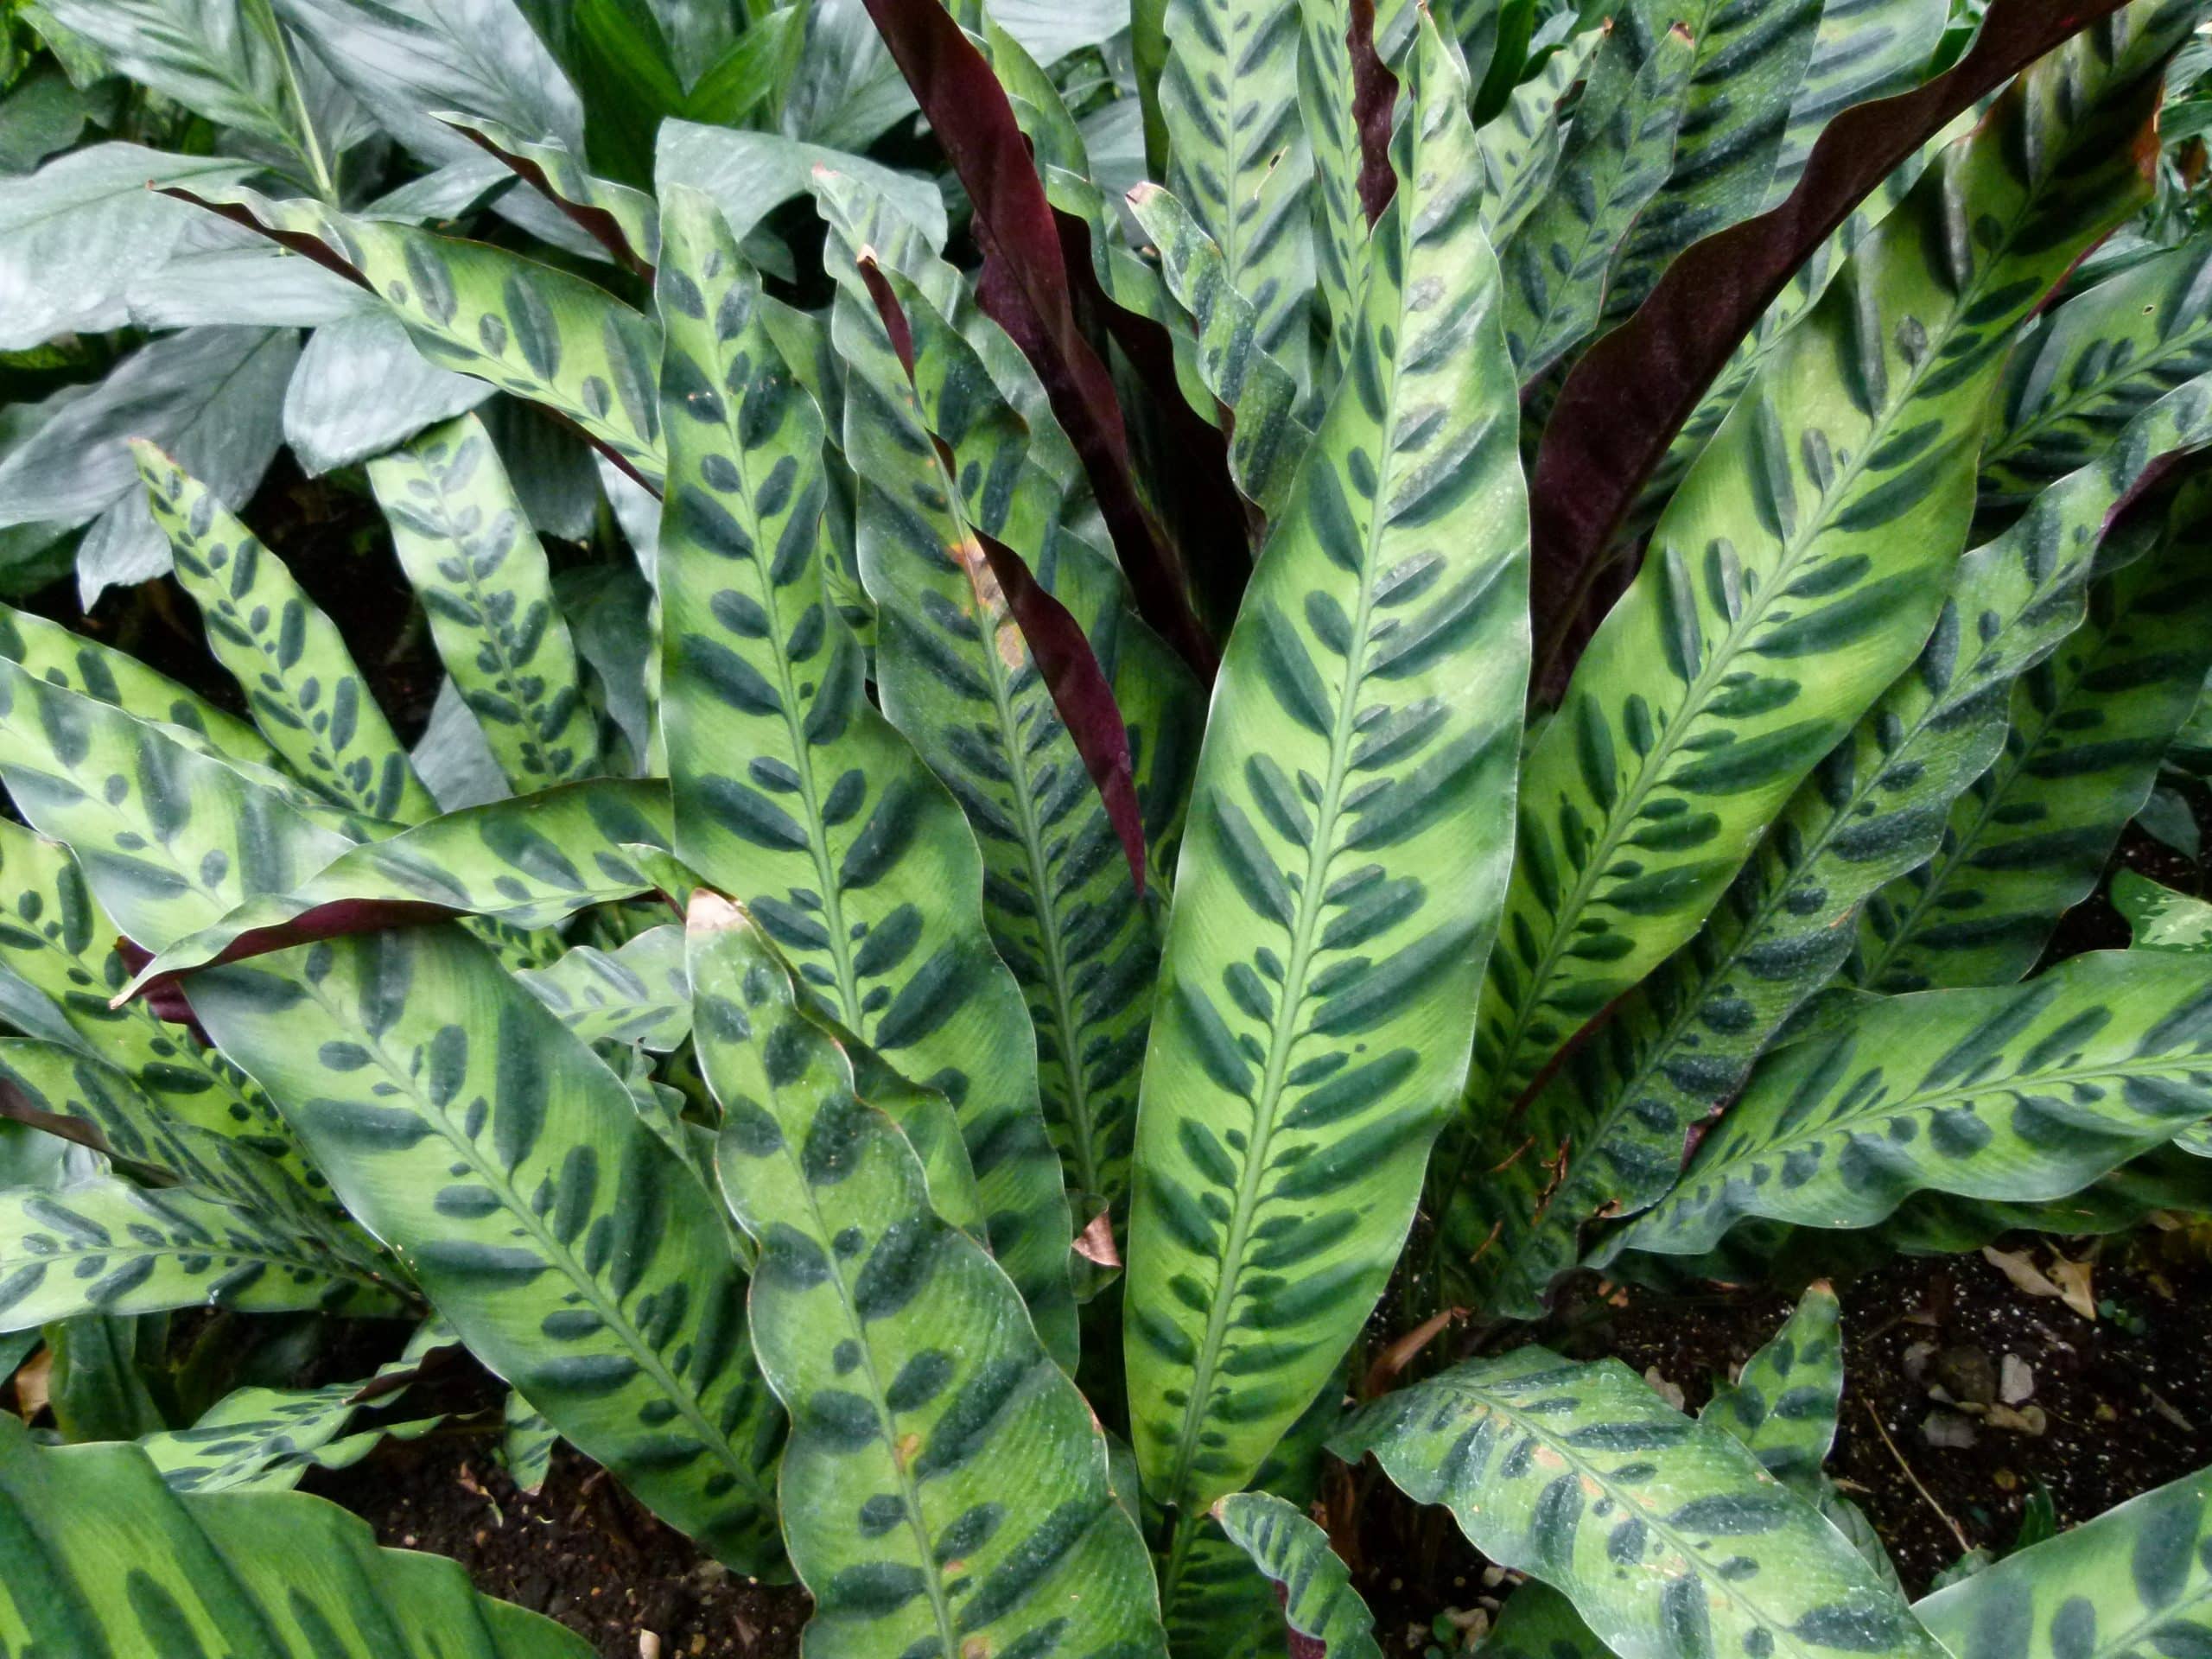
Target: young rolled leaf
<point>791,790</point>
<point>1345,852</point>
<point>2093,364</point>
<point>2089,727</point>
<point>1315,1587</point>
<point>546,336</point>
<point>309,700</point>
<point>1607,1135</point>
<point>525,863</point>
<point>2136,1579</point>
<point>1239,158</point>
<point>102,1245</point>
<point>1782,1406</point>
<point>945,1487</point>
<point>1616,157</point>
<point>958,674</point>
<point>1750,62</point>
<point>1265,436</point>
<point>1799,569</point>
<point>575,1255</point>
<point>169,839</point>
<point>467,545</point>
<point>1664,1532</point>
<point>274,1575</point>
<point>2020,1093</point>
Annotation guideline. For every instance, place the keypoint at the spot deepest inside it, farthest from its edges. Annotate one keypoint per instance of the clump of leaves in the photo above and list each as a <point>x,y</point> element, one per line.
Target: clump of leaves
<point>1057,830</point>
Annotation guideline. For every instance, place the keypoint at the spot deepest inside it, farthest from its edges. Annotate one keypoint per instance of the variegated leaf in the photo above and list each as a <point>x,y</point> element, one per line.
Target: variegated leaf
<point>577,1256</point>
<point>1315,1588</point>
<point>1346,854</point>
<point>792,791</point>
<point>1783,1404</point>
<point>1665,1532</point>
<point>468,548</point>
<point>1605,1136</point>
<point>2016,1093</point>
<point>1865,49</point>
<point>288,658</point>
<point>946,1486</point>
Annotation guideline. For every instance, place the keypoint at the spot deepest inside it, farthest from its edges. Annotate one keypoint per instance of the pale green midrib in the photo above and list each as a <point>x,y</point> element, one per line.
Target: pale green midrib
<point>834,634</point>
<point>1082,1126</point>
<point>1627,1498</point>
<point>511,666</point>
<point>1310,900</point>
<point>1665,1041</point>
<point>1736,638</point>
<point>909,1488</point>
<point>1944,866</point>
<point>2154,1619</point>
<point>2051,413</point>
<point>1916,1103</point>
<point>610,1312</point>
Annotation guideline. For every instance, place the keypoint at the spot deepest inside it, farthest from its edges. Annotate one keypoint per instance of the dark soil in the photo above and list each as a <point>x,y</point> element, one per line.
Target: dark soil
<point>2125,1402</point>
<point>581,1551</point>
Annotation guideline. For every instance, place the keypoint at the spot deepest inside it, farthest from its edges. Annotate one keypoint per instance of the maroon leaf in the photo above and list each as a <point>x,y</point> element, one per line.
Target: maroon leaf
<point>1373,97</point>
<point>164,992</point>
<point>1027,286</point>
<point>1628,396</point>
<point>1056,640</point>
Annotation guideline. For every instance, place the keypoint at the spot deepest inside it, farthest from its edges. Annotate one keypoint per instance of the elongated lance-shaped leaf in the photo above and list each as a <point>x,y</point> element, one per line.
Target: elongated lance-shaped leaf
<point>2028,840</point>
<point>792,791</point>
<point>2158,918</point>
<point>55,1088</point>
<point>55,937</point>
<point>526,863</point>
<point>1539,1623</point>
<point>1315,1588</point>
<point>957,675</point>
<point>1664,1532</point>
<point>1783,1404</point>
<point>576,1255</point>
<point>168,838</point>
<point>1342,868</point>
<point>1237,157</point>
<point>1265,436</point>
<point>635,994</point>
<point>1520,146</point>
<point>624,221</point>
<point>2136,1579</point>
<point>63,656</point>
<point>261,1575</point>
<point>1614,159</point>
<point>309,700</point>
<point>1864,49</point>
<point>2095,362</point>
<point>104,1246</point>
<point>1799,569</point>
<point>546,336</point>
<point>1346,97</point>
<point>466,544</point>
<point>2020,1092</point>
<point>946,1485</point>
<point>1751,62</point>
<point>1607,1135</point>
